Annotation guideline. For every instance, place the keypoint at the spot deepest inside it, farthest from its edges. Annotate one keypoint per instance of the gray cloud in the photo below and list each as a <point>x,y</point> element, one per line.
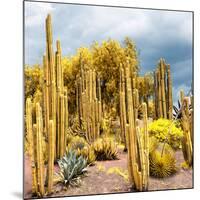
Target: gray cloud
<point>157,34</point>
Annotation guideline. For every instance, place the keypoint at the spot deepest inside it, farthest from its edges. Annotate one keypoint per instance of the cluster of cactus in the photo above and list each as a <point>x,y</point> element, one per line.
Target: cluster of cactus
<point>105,149</point>
<point>123,98</point>
<point>55,99</point>
<point>54,122</point>
<point>136,140</point>
<point>34,134</point>
<point>187,126</point>
<point>163,91</point>
<point>88,100</point>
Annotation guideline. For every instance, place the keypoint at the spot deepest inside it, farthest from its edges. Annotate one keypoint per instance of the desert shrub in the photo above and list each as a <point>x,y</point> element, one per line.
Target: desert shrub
<point>32,77</point>
<point>105,149</point>
<point>81,148</point>
<point>166,131</point>
<point>71,168</point>
<point>162,162</point>
<point>118,171</point>
<point>153,144</point>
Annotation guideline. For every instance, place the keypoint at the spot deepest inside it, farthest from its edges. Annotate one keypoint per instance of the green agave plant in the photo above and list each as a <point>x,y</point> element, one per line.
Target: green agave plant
<point>71,168</point>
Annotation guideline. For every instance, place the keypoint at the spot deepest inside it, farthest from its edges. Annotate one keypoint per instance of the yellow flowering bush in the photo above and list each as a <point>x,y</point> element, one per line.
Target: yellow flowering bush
<point>168,131</point>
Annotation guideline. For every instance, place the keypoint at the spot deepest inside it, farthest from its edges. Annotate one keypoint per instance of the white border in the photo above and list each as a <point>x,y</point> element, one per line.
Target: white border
<point>11,99</point>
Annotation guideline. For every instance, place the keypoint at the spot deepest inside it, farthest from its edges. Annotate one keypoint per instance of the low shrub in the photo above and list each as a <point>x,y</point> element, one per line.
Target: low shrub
<point>81,148</point>
<point>162,163</point>
<point>167,131</point>
<point>71,168</point>
<point>105,149</point>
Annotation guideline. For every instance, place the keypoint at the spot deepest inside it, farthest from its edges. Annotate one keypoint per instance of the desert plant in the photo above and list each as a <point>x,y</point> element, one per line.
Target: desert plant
<point>163,90</point>
<point>178,110</point>
<point>81,148</point>
<point>166,131</point>
<point>71,168</point>
<point>105,149</point>
<point>153,144</point>
<point>162,163</point>
<point>186,124</point>
<point>118,171</point>
<point>77,128</point>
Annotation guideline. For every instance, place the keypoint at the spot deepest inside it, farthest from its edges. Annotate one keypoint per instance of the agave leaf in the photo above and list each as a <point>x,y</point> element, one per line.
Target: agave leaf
<point>175,109</point>
<point>179,104</point>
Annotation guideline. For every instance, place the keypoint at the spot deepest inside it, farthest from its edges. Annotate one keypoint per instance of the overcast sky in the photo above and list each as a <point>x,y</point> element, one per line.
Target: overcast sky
<point>166,34</point>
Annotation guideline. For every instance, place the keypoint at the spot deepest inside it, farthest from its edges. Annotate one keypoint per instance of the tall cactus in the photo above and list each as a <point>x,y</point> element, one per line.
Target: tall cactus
<point>39,152</point>
<point>162,73</point>
<point>89,106</point>
<point>55,110</point>
<point>51,147</point>
<point>55,91</point>
<point>122,107</point>
<point>187,139</point>
<point>136,140</point>
<point>31,143</point>
<point>169,94</point>
<point>163,91</point>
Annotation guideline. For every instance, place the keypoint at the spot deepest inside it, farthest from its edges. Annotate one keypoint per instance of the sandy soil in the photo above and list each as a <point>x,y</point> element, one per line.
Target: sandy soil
<point>98,181</point>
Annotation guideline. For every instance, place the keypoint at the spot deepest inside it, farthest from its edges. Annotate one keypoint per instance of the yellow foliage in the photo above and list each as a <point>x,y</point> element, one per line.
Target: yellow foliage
<point>166,131</point>
<point>81,147</point>
<point>32,77</point>
<point>105,58</point>
<point>105,149</point>
<point>119,171</point>
<point>101,168</point>
<point>162,165</point>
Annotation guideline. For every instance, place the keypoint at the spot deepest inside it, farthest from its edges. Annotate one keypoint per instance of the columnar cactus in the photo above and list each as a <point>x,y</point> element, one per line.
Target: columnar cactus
<point>123,119</point>
<point>31,142</point>
<point>136,140</point>
<point>55,110</point>
<point>169,94</point>
<point>51,147</point>
<point>62,126</point>
<point>55,103</point>
<point>163,91</point>
<point>39,152</point>
<point>162,73</point>
<point>182,95</point>
<point>187,138</point>
<point>88,95</point>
